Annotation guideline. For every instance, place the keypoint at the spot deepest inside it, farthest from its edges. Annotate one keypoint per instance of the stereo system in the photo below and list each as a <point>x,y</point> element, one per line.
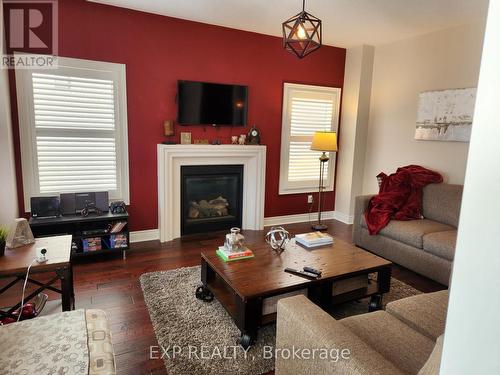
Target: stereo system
<point>70,204</point>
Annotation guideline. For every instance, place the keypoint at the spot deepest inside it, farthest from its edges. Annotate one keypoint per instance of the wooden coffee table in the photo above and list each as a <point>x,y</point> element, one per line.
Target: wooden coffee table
<point>241,286</point>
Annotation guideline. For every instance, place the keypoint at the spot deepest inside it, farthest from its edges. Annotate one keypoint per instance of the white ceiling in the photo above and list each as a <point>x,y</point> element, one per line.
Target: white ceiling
<point>346,23</point>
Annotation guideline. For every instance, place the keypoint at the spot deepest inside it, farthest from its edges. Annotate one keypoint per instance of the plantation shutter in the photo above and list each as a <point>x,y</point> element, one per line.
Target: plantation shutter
<point>75,133</point>
<point>73,128</point>
<point>307,109</point>
<point>308,115</point>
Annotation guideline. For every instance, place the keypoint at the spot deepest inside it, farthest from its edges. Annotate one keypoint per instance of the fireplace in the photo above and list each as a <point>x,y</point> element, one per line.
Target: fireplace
<point>211,197</point>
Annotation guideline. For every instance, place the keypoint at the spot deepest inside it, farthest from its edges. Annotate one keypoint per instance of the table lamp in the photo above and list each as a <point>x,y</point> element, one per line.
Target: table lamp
<point>325,142</point>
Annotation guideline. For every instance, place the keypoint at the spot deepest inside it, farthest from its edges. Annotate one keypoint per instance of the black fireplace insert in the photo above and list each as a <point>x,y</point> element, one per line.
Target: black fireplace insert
<point>211,198</point>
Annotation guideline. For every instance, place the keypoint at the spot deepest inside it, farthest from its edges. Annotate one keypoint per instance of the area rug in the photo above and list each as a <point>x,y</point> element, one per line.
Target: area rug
<point>196,337</point>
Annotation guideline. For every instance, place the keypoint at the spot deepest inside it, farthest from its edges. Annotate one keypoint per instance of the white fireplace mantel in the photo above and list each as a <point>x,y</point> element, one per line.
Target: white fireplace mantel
<point>172,157</point>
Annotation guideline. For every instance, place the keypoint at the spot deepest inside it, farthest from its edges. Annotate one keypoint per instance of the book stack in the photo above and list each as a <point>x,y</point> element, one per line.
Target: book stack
<point>229,256</point>
<point>314,240</point>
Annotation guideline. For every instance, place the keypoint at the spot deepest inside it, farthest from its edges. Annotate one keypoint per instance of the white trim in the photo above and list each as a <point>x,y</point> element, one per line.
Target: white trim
<point>295,187</point>
<point>144,235</point>
<point>84,68</point>
<point>297,218</point>
<point>172,157</point>
<point>304,218</point>
<point>343,217</point>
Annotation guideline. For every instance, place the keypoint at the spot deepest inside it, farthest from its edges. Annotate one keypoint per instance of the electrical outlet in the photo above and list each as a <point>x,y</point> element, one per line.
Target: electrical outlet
<point>310,199</point>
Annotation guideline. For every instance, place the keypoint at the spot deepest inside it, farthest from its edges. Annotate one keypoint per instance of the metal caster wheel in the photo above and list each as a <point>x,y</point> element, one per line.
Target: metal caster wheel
<point>245,341</point>
<point>202,293</point>
<point>375,303</point>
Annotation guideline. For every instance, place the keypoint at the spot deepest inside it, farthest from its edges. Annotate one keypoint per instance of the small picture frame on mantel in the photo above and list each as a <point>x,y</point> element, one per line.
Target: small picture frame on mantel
<point>185,138</point>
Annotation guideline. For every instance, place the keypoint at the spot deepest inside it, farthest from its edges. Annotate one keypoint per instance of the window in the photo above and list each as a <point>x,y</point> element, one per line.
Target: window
<point>73,128</point>
<point>306,109</point>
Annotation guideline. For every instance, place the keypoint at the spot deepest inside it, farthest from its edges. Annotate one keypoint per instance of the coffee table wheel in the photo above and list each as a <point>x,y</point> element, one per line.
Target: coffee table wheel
<point>375,303</point>
<point>245,341</point>
<point>202,293</point>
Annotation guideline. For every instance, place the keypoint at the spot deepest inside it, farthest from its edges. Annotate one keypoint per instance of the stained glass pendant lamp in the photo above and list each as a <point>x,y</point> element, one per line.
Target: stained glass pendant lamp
<point>302,33</point>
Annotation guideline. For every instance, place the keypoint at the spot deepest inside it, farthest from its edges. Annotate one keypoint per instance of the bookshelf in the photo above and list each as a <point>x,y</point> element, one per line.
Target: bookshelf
<point>92,234</point>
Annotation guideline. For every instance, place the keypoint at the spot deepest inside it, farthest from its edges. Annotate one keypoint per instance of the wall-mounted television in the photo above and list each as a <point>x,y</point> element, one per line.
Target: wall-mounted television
<point>211,104</point>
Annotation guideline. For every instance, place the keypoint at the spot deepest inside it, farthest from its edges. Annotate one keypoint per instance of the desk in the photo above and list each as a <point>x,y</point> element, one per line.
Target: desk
<point>16,261</point>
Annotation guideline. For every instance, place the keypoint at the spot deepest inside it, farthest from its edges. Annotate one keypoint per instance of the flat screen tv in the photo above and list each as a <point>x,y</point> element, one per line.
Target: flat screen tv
<point>211,103</point>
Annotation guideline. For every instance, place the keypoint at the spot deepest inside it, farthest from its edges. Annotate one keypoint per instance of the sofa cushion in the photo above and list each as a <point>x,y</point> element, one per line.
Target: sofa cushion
<point>411,232</point>
<point>441,244</point>
<point>406,348</point>
<point>441,202</point>
<point>432,365</point>
<point>425,313</point>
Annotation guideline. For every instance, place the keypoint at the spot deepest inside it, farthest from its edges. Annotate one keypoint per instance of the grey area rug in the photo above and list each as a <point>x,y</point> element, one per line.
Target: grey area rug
<point>200,338</point>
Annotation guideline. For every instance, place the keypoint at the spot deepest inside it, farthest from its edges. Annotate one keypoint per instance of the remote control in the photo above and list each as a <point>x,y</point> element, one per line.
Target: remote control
<point>312,270</point>
<point>308,275</point>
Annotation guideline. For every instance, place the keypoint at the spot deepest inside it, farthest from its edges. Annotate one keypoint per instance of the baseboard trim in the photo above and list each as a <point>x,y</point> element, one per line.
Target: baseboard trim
<point>345,218</point>
<point>144,235</point>
<point>297,218</point>
<point>154,234</point>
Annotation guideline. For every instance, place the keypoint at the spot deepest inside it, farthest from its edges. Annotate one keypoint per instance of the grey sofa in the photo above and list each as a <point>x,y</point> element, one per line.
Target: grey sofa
<point>426,246</point>
<point>404,339</point>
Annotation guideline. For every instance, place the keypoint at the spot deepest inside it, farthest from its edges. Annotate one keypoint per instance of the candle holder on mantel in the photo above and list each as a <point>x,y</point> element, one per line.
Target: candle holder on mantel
<point>168,131</point>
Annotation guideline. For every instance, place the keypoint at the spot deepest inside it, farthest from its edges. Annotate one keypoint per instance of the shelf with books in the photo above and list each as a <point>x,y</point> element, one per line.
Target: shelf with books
<point>92,235</point>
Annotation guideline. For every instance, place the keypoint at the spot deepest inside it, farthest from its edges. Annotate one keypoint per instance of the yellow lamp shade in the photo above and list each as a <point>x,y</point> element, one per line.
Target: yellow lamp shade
<point>324,141</point>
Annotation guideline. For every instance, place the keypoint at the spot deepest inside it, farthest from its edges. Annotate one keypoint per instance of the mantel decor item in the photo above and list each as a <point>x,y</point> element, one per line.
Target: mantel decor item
<point>168,131</point>
<point>20,234</point>
<point>325,142</point>
<point>253,136</point>
<point>302,33</point>
<point>185,138</point>
<point>277,238</point>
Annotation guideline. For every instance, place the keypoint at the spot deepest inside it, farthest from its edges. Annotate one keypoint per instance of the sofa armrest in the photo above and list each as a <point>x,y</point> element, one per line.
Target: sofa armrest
<point>323,344</point>
<point>360,205</point>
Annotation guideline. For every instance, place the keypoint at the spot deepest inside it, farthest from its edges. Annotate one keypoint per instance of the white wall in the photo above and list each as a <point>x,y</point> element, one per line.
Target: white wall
<point>8,193</point>
<point>353,128</point>
<point>440,60</point>
<point>471,343</point>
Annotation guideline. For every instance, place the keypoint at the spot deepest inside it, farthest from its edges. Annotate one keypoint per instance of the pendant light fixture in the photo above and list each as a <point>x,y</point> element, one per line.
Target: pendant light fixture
<point>302,33</point>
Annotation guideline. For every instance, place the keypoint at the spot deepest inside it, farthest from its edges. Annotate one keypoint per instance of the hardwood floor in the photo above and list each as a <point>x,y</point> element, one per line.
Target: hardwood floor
<point>112,284</point>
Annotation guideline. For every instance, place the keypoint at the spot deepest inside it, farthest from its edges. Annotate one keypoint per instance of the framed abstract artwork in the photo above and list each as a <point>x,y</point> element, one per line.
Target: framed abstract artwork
<point>445,115</point>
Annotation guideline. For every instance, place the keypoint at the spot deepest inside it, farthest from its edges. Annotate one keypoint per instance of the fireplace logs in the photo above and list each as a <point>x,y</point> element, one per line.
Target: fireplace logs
<point>213,208</point>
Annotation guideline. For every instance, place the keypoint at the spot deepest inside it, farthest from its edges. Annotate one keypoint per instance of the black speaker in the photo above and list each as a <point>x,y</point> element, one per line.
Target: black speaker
<point>45,207</point>
<point>68,204</point>
<point>102,201</point>
<point>83,200</point>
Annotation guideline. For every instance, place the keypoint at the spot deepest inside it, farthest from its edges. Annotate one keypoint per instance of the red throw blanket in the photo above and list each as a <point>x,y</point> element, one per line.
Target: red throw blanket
<point>399,197</point>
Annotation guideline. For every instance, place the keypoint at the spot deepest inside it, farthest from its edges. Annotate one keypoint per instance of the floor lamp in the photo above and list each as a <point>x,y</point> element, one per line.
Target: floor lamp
<point>325,142</point>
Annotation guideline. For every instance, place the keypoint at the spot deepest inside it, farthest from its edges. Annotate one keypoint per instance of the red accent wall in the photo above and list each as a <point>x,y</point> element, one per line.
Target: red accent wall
<point>160,50</point>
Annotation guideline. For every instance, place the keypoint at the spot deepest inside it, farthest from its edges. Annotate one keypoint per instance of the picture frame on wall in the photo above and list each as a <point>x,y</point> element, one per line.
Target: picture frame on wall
<point>185,138</point>
<point>445,115</point>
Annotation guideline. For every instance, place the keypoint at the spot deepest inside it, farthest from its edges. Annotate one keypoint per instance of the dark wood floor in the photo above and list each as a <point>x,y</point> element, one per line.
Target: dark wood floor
<point>112,284</point>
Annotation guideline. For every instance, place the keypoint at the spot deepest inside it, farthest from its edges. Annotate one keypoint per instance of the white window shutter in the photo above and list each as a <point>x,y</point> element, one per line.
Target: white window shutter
<point>73,129</point>
<point>306,109</point>
<point>75,133</point>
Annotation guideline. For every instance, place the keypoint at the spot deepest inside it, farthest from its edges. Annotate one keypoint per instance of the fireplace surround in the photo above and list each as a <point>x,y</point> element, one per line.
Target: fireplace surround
<point>172,157</point>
